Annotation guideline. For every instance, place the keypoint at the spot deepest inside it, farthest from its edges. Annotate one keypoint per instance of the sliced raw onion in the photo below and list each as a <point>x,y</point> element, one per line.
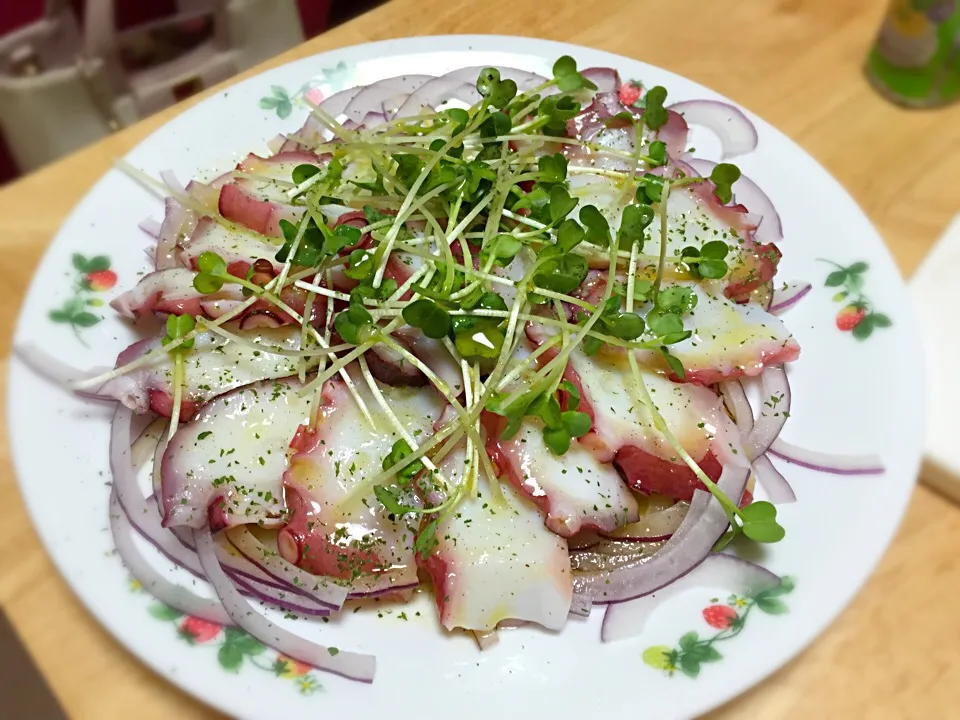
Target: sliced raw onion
<point>276,144</point>
<point>151,227</point>
<point>58,372</point>
<point>606,79</point>
<point>736,401</point>
<point>367,122</point>
<point>827,462</point>
<point>170,594</point>
<point>170,180</point>
<point>778,490</point>
<point>174,217</point>
<point>144,518</point>
<point>774,411</point>
<point>736,133</point>
<point>337,103</point>
<point>340,662</point>
<point>435,93</point>
<point>788,296</point>
<point>653,527</point>
<point>374,97</point>
<point>461,85</point>
<point>286,601</point>
<point>701,528</point>
<point>718,570</point>
<point>145,446</point>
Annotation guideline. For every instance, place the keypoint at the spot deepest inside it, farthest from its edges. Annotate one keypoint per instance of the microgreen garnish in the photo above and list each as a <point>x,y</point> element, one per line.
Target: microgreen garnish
<point>178,327</point>
<point>723,177</point>
<point>559,426</point>
<point>429,317</point>
<point>355,323</point>
<point>654,114</point>
<point>495,91</point>
<point>484,206</point>
<point>566,76</point>
<point>707,261</point>
<point>757,521</point>
<point>400,450</point>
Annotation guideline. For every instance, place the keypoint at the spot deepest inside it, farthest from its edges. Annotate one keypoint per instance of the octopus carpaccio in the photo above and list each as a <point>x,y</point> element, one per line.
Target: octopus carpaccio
<point>382,297</point>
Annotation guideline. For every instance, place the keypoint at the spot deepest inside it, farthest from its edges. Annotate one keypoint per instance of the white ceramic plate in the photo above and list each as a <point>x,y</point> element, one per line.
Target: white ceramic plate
<point>849,395</point>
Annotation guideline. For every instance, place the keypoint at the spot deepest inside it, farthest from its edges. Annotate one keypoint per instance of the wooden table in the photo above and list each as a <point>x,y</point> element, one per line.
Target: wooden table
<point>798,64</point>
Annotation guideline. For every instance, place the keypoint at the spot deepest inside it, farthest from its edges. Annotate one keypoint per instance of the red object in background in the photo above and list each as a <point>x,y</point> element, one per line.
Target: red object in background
<point>129,13</point>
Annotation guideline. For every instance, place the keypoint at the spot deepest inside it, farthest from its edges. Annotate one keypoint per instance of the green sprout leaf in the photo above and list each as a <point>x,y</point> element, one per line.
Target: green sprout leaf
<point>723,177</point>
<point>503,248</point>
<point>658,152</point>
<point>302,173</point>
<point>633,223</point>
<point>429,317</point>
<point>561,203</point>
<point>426,541</point>
<point>567,77</point>
<point>562,274</point>
<point>361,265</point>
<point>389,497</point>
<point>552,168</point>
<point>400,450</point>
<point>597,227</point>
<point>654,114</point>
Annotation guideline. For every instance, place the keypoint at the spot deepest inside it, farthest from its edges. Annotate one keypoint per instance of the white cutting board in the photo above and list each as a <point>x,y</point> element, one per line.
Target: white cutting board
<point>935,288</point>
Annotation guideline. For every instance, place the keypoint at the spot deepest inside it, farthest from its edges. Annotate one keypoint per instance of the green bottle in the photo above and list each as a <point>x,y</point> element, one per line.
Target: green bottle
<point>916,59</point>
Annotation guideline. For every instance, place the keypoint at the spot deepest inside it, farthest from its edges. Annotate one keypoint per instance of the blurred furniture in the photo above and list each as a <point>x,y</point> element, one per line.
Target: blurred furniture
<point>62,86</point>
<point>892,653</point>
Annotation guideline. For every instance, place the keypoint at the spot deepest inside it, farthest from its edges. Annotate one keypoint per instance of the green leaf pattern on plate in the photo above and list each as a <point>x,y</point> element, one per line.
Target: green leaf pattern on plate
<point>281,101</point>
<point>236,649</point>
<point>857,316</point>
<point>728,619</point>
<point>92,275</point>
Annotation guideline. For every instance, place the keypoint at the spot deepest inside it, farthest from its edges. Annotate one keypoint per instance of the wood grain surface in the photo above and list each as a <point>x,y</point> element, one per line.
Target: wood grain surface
<point>892,653</point>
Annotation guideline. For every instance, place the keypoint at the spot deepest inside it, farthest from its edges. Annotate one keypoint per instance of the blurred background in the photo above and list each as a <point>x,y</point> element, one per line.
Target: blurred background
<point>72,71</point>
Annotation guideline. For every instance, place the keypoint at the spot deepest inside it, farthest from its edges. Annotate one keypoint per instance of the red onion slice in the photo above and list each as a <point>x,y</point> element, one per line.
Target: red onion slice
<point>286,601</point>
<point>653,527</point>
<point>337,103</point>
<point>788,296</point>
<point>461,85</point>
<point>372,98</point>
<point>170,180</point>
<point>151,227</point>
<point>870,464</point>
<point>736,401</point>
<point>177,221</point>
<point>774,411</point>
<point>761,210</point>
<point>773,482</point>
<point>350,665</point>
<point>701,528</point>
<point>718,570</point>
<point>170,594</point>
<point>606,79</point>
<point>58,372</point>
<point>737,134</point>
<point>435,93</point>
